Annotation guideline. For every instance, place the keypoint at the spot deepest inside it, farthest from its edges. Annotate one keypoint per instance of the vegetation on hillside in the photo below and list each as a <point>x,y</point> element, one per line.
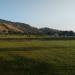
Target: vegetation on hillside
<point>8,27</point>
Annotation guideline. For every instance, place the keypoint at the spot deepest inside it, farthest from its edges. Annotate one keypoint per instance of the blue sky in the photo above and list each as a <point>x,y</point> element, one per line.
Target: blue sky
<point>58,14</point>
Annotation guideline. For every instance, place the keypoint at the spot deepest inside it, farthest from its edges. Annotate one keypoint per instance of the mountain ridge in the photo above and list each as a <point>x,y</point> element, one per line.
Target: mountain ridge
<point>23,28</point>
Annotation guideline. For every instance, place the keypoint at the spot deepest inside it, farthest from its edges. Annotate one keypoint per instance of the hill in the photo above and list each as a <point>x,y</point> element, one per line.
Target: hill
<point>7,28</point>
<point>17,27</point>
<point>23,28</point>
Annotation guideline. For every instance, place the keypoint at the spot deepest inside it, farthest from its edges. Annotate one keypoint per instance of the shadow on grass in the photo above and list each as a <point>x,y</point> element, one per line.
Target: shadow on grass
<point>33,48</point>
<point>23,48</point>
<point>25,66</point>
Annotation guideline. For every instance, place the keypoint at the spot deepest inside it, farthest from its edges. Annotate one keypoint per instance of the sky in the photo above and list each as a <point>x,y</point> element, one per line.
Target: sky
<point>57,14</point>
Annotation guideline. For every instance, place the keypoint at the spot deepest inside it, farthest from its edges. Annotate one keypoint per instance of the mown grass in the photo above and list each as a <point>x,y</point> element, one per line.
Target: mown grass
<point>56,57</point>
<point>22,36</point>
<point>31,43</point>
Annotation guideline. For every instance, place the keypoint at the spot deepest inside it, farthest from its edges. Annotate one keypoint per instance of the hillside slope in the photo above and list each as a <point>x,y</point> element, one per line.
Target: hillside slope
<point>7,28</point>
<point>17,27</point>
<point>24,28</point>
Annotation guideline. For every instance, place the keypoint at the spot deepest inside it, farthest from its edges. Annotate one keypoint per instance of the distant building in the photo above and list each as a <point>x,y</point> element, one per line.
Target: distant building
<point>56,35</point>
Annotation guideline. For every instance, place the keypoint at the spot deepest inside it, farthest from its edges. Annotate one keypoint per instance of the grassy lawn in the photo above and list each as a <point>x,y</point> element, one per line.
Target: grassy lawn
<point>22,36</point>
<point>56,57</point>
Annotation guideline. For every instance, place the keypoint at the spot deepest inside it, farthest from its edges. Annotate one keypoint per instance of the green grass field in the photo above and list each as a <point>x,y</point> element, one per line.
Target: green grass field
<point>22,36</point>
<point>56,57</point>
